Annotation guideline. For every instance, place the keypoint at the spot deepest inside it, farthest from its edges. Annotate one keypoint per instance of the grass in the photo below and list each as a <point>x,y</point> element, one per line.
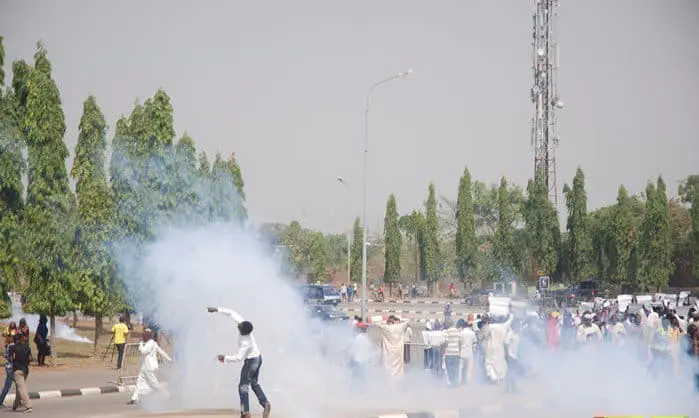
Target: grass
<point>73,354</point>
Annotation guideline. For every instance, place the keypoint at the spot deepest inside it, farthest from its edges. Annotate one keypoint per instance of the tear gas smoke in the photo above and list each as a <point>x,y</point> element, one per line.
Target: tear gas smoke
<point>305,371</point>
<point>63,331</point>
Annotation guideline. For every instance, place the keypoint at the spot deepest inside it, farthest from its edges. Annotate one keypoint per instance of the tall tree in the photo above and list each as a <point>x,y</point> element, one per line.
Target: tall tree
<point>687,186</point>
<point>695,228</point>
<point>412,227</point>
<point>466,251</point>
<point>393,242</point>
<point>430,257</point>
<point>317,256</point>
<point>504,244</point>
<point>236,177</point>
<point>543,231</point>
<point>654,245</point>
<point>226,190</point>
<point>12,169</point>
<point>50,203</point>
<point>579,238</point>
<point>98,290</point>
<point>623,239</point>
<point>356,251</point>
<point>2,65</point>
<point>293,246</point>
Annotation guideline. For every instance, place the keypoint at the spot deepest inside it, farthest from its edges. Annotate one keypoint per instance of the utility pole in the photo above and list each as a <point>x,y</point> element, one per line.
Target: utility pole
<point>544,94</point>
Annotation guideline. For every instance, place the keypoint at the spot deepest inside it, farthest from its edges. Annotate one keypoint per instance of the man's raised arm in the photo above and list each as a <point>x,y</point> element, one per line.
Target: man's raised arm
<point>235,316</point>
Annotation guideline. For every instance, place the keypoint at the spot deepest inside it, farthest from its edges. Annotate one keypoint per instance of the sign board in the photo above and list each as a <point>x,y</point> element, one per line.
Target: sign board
<point>623,301</point>
<point>544,282</point>
<point>499,306</point>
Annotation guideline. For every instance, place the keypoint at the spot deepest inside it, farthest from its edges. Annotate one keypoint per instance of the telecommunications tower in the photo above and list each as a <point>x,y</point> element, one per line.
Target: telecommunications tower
<point>545,94</point>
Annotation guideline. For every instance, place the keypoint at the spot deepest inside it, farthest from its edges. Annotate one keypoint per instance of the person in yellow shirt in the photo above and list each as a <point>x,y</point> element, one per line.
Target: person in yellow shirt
<point>120,331</point>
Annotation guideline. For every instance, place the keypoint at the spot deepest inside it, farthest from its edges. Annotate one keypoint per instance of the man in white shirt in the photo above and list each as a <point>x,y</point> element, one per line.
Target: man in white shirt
<point>250,355</point>
<point>469,340</point>
<point>147,380</point>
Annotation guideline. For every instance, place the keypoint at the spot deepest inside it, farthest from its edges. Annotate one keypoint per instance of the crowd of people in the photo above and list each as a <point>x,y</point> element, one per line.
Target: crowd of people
<point>486,347</point>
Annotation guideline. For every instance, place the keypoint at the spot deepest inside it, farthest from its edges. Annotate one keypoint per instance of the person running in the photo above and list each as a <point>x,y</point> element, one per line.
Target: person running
<point>249,354</point>
<point>41,339</point>
<point>147,380</point>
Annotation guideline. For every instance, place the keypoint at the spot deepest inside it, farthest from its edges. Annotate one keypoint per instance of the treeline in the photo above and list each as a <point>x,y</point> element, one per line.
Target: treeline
<point>500,232</point>
<point>58,247</point>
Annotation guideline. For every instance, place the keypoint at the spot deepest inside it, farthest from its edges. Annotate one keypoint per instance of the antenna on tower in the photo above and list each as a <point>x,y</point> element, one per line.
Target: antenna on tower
<point>544,94</point>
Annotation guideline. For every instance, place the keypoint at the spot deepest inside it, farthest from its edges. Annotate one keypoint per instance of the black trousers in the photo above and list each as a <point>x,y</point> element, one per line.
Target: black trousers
<point>120,354</point>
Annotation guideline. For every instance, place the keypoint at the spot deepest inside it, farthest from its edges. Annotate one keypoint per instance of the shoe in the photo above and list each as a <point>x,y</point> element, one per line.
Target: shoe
<point>28,410</point>
<point>245,415</point>
<point>131,402</point>
<point>268,408</point>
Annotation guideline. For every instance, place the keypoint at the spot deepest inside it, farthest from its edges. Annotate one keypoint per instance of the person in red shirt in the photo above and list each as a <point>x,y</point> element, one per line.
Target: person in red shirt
<point>552,331</point>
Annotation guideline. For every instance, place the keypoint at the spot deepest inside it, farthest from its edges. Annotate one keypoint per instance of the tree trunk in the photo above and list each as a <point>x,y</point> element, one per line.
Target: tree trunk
<point>54,340</point>
<point>127,318</point>
<point>98,329</point>
<point>75,318</point>
<point>417,263</point>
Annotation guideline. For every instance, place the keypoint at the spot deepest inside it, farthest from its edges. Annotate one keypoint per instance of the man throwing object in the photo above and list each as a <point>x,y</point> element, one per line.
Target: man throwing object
<point>250,355</point>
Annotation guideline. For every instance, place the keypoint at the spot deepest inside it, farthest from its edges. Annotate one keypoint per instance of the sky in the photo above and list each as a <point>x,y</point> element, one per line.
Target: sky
<point>282,84</point>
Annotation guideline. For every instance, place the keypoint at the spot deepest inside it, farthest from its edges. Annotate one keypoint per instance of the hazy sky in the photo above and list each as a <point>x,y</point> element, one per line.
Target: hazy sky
<point>283,83</point>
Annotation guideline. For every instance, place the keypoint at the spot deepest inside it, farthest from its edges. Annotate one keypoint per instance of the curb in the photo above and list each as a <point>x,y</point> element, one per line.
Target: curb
<point>468,412</point>
<point>65,393</point>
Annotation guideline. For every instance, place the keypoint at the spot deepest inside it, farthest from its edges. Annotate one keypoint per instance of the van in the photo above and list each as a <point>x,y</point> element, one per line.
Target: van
<point>316,294</point>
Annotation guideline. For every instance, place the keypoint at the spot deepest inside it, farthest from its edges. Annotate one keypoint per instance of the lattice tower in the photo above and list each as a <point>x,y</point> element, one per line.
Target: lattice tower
<point>544,93</point>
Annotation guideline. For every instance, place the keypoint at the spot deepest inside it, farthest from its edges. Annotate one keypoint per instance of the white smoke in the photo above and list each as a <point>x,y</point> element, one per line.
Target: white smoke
<point>63,331</point>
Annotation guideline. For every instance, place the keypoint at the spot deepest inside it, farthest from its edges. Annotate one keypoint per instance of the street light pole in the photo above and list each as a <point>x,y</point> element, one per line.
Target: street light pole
<point>349,233</point>
<point>366,151</point>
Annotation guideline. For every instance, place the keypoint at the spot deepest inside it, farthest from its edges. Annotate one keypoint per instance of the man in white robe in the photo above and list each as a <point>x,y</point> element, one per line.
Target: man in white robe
<point>147,379</point>
<point>493,338</point>
<point>393,340</point>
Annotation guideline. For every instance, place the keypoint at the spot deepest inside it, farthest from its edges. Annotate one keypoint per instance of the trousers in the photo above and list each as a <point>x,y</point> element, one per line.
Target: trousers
<point>249,376</point>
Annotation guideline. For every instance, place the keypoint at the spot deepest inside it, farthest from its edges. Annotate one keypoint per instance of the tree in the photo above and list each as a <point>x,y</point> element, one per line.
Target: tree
<point>412,226</point>
<point>236,177</point>
<point>293,244</point>
<point>393,243</point>
<point>49,217</point>
<point>505,251</point>
<point>356,251</point>
<point>466,252</point>
<point>227,202</point>
<point>543,231</point>
<point>654,245</point>
<point>686,188</point>
<point>317,255</point>
<point>94,269</point>
<point>579,239</point>
<point>2,65</point>
<point>623,239</point>
<point>695,227</point>
<point>430,256</point>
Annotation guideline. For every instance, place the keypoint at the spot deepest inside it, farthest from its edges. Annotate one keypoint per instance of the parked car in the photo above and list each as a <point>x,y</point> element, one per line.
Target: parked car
<point>582,291</point>
<point>326,313</point>
<point>317,294</point>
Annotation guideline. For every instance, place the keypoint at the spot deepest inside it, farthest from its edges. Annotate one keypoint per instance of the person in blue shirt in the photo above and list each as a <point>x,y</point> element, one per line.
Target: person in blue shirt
<point>9,342</point>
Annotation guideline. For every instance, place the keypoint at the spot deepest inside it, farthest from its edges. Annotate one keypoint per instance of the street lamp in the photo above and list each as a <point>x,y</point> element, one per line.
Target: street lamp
<point>366,151</point>
<point>349,232</point>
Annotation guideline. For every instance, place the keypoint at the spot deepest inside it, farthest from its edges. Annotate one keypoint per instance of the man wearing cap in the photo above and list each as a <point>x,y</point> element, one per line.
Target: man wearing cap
<point>147,380</point>
<point>249,354</point>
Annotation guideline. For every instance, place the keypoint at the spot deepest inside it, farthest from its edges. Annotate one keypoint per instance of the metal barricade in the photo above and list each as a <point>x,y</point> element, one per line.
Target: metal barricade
<point>130,365</point>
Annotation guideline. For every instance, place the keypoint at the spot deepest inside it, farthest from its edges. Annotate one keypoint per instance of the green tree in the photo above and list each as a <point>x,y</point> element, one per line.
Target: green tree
<point>393,242</point>
<point>686,188</point>
<point>412,226</point>
<point>98,291</point>
<point>430,256</point>
<point>466,251</point>
<point>505,251</point>
<point>50,215</point>
<point>542,228</point>
<point>2,65</point>
<point>293,245</point>
<point>579,238</point>
<point>227,199</point>
<point>623,241</point>
<point>356,251</point>
<point>694,212</point>
<point>12,169</point>
<point>654,244</point>
<point>317,255</point>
